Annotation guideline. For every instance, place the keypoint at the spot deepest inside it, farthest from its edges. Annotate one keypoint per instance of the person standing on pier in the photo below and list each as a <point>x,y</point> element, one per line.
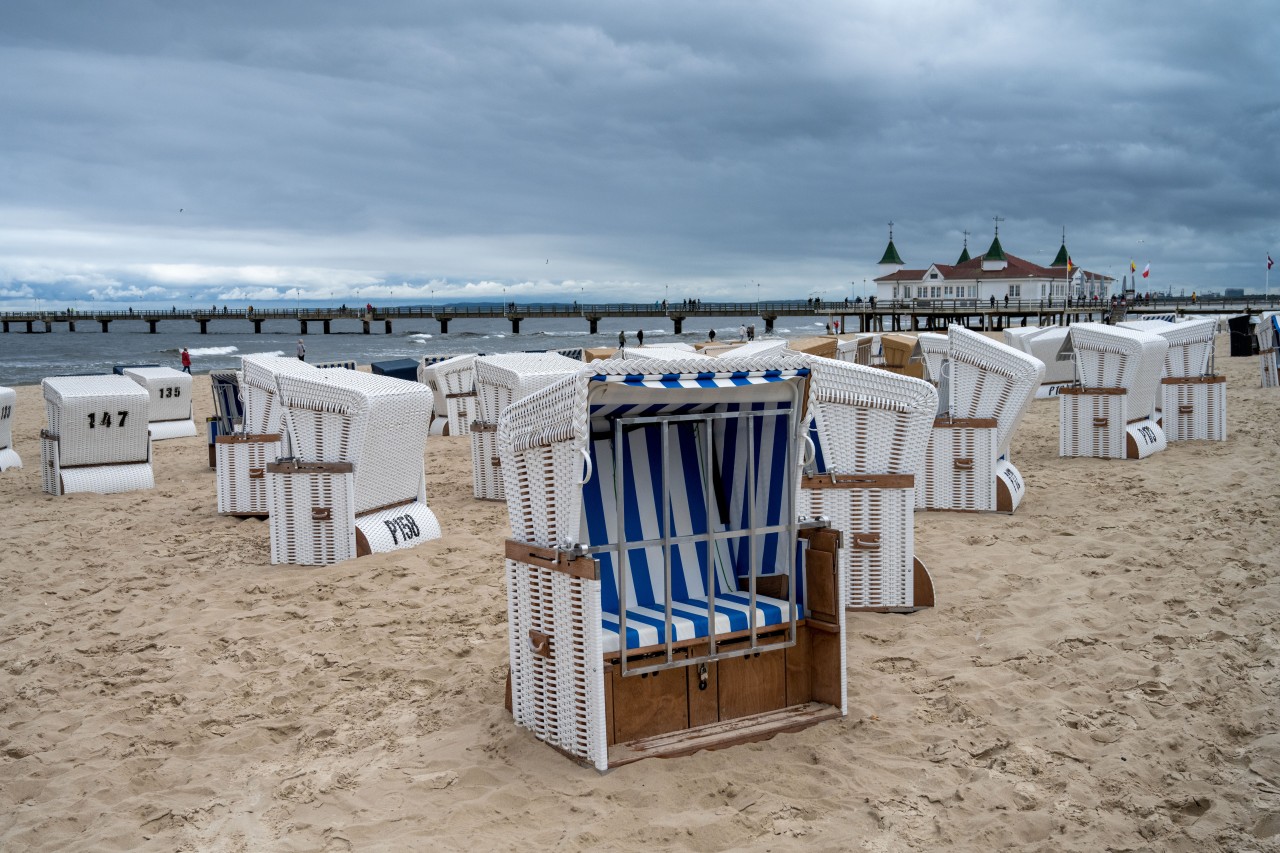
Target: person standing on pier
<point>186,361</point>
<point>302,350</point>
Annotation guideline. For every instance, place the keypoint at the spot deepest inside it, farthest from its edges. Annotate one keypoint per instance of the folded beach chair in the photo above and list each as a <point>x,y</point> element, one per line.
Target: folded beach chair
<point>452,382</point>
<point>1109,412</point>
<point>663,594</point>
<point>870,430</point>
<point>9,457</point>
<point>242,456</point>
<point>500,381</point>
<point>858,349</point>
<point>97,438</point>
<point>987,388</point>
<point>356,483</point>
<point>1048,344</point>
<point>170,409</point>
<point>1193,400</point>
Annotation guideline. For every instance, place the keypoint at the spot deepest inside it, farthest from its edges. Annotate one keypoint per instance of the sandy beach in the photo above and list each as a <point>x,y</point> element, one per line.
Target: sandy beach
<point>1100,673</point>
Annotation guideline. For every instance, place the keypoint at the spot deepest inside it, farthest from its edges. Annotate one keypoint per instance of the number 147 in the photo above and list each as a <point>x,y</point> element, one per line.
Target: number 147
<point>105,420</point>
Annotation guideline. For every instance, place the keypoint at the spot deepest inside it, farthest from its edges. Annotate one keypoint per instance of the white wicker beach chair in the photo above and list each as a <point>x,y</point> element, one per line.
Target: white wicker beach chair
<point>859,349</point>
<point>1049,345</point>
<point>660,599</point>
<point>870,429</point>
<point>97,438</point>
<point>1193,400</point>
<point>453,385</point>
<point>659,353</point>
<point>1268,334</point>
<point>378,425</point>
<point>242,456</point>
<point>934,351</point>
<point>500,381</point>
<point>170,408</point>
<point>9,457</point>
<point>1109,412</point>
<point>989,386</point>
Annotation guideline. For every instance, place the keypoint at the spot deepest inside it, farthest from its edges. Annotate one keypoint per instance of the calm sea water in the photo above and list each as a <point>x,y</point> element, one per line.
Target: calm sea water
<point>25,359</point>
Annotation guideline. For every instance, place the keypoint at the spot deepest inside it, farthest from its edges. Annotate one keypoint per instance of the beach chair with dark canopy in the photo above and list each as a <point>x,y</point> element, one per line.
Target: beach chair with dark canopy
<point>664,595</point>
<point>9,457</point>
<point>97,438</point>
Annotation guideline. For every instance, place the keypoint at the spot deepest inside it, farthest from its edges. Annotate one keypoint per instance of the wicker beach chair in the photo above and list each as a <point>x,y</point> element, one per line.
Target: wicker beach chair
<point>902,355</point>
<point>97,438</point>
<point>9,457</point>
<point>988,388</point>
<point>934,351</point>
<point>660,353</point>
<point>452,382</point>
<point>859,349</point>
<point>500,381</point>
<point>1268,335</point>
<point>368,434</point>
<point>1049,345</point>
<point>1193,399</point>
<point>870,430</point>
<point>660,597</point>
<point>243,456</point>
<point>170,409</point>
<point>1109,412</point>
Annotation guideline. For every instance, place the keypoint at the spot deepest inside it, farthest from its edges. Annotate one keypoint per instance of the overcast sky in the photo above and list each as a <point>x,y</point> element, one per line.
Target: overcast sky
<point>404,150</point>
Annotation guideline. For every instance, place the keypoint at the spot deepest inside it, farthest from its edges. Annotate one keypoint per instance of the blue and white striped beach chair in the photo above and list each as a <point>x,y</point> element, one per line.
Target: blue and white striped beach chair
<point>658,580</point>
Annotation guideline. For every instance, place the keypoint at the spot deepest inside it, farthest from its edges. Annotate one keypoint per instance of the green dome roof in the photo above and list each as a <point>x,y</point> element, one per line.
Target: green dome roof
<point>1061,259</point>
<point>891,255</point>
<point>995,253</point>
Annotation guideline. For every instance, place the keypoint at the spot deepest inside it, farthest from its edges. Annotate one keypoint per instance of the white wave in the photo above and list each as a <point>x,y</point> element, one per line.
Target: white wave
<point>422,337</point>
<point>273,352</point>
<point>213,350</point>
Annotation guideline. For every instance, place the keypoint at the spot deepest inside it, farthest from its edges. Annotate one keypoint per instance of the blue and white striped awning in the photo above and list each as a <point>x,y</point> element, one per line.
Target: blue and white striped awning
<point>707,379</point>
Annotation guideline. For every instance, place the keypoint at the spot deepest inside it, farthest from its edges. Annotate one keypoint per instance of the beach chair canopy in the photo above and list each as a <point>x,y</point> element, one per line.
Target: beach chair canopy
<point>660,353</point>
<point>680,459</point>
<point>989,379</point>
<point>503,379</point>
<point>262,415</point>
<point>1115,357</point>
<point>170,391</point>
<point>1190,344</point>
<point>1051,346</point>
<point>98,420</point>
<point>751,349</point>
<point>379,424</point>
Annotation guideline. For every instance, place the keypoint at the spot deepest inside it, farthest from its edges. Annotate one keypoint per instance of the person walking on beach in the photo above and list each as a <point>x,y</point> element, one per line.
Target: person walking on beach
<point>711,336</point>
<point>742,333</point>
<point>640,337</point>
<point>302,350</point>
<point>622,339</point>
<point>186,361</point>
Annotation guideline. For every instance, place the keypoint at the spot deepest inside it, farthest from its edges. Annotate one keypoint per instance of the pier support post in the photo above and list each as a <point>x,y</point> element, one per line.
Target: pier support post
<point>387,325</point>
<point>105,326</point>
<point>302,324</point>
<point>48,327</point>
<point>152,326</point>
<point>326,327</point>
<point>204,327</point>
<point>594,324</point>
<point>515,325</point>
<point>365,323</point>
<point>30,326</point>
<point>71,325</point>
<point>6,326</point>
<point>444,325</point>
<point>257,327</point>
<point>677,324</point>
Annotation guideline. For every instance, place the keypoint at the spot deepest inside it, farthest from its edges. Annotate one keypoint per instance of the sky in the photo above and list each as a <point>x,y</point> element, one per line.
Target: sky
<point>403,152</point>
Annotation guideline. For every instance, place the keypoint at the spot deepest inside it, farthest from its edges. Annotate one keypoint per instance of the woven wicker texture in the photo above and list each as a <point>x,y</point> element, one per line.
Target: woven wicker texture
<point>1269,368</point>
<point>858,349</point>
<point>1113,357</point>
<point>503,379</point>
<point>262,415</point>
<point>449,379</point>
<point>1190,344</point>
<point>313,521</point>
<point>661,353</point>
<point>98,420</point>
<point>934,348</point>
<point>989,379</point>
<point>377,423</point>
<point>170,392</point>
<point>241,474</point>
<point>959,470</point>
<point>8,456</point>
<point>1194,411</point>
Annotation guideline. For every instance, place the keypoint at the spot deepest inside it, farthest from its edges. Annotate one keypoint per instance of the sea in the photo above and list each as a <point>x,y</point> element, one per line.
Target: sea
<point>25,359</point>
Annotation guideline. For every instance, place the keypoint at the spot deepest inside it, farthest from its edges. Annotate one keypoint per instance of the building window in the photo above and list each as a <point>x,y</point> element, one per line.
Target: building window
<point>937,291</point>
<point>895,291</point>
<point>933,275</point>
<point>906,291</point>
<point>1015,290</point>
<point>949,290</point>
<point>973,290</point>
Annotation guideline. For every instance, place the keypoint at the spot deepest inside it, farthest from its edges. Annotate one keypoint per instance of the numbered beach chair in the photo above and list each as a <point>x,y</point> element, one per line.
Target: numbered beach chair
<point>987,388</point>
<point>1109,412</point>
<point>500,381</point>
<point>452,382</point>
<point>170,409</point>
<point>663,594</point>
<point>1193,399</point>
<point>870,431</point>
<point>243,456</point>
<point>97,438</point>
<point>373,429</point>
<point>9,457</point>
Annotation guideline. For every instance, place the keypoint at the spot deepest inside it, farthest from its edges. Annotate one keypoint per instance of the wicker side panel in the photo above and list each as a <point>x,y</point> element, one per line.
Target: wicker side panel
<point>313,520</point>
<point>108,479</point>
<point>486,469</point>
<point>395,529</point>
<point>242,479</point>
<point>50,467</point>
<point>959,471</point>
<point>1092,425</point>
<point>461,412</point>
<point>1194,411</point>
<point>877,559</point>
<point>1269,362</point>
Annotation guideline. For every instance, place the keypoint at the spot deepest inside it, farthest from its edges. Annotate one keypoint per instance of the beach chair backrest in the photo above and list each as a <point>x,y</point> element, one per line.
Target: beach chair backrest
<point>1190,344</point>
<point>503,379</point>
<point>1115,357</point>
<point>989,379</point>
<point>934,350</point>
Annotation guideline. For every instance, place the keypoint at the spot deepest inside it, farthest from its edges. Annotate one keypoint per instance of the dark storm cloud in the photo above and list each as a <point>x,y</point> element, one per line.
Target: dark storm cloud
<point>426,146</point>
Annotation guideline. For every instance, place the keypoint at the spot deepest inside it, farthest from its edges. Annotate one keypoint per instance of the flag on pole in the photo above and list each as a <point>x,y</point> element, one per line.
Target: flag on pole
<point>1071,266</point>
<point>1146,271</point>
<point>1270,263</point>
<point>1133,267</point>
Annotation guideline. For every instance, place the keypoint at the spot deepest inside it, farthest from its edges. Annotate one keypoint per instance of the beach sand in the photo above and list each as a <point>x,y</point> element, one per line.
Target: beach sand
<point>1100,673</point>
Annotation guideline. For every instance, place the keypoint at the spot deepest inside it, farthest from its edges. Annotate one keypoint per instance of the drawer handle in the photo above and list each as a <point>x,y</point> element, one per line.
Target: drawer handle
<point>321,513</point>
<point>1100,422</point>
